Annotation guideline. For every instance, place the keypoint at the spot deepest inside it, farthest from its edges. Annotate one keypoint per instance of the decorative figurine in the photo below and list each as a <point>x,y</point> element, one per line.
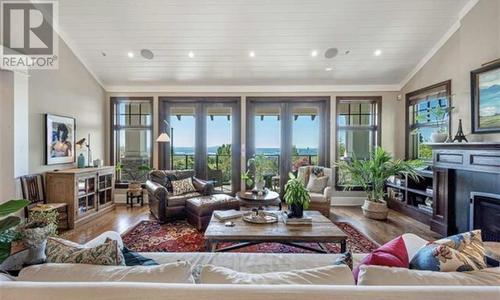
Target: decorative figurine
<point>460,136</point>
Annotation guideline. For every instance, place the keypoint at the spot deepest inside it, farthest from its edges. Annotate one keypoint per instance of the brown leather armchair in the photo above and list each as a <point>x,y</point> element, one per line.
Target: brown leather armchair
<point>162,204</point>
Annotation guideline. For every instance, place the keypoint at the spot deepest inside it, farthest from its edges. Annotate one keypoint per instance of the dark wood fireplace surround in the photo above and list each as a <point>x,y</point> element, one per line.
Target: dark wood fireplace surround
<point>459,170</point>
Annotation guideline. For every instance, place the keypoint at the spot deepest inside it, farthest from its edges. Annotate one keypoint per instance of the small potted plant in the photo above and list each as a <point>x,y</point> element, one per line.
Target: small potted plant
<point>257,166</point>
<point>136,175</point>
<point>296,197</point>
<point>440,116</point>
<point>371,175</point>
<point>8,224</point>
<point>40,225</point>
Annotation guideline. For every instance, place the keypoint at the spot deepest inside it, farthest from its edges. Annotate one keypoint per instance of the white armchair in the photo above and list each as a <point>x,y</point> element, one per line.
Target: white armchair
<point>319,201</point>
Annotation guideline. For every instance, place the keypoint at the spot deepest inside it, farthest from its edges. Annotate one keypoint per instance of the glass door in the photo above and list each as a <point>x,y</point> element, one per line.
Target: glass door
<point>182,137</point>
<point>305,137</point>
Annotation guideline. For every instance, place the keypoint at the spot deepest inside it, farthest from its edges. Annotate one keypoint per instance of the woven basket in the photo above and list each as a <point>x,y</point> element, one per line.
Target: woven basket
<point>375,210</point>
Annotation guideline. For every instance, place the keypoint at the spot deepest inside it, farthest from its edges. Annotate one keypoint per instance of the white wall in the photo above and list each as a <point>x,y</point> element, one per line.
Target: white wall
<point>69,91</point>
<point>476,42</point>
<point>7,183</point>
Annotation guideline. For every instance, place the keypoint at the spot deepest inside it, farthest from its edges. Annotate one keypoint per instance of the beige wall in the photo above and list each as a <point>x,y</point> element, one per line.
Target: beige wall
<point>69,91</point>
<point>7,186</point>
<point>477,41</point>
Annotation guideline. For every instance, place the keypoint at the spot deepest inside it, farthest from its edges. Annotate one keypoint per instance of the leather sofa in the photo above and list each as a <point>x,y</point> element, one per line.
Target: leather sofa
<point>165,206</point>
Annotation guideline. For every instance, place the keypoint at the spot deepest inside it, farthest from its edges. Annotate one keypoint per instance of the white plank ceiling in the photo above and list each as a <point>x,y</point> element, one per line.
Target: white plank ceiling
<point>282,33</point>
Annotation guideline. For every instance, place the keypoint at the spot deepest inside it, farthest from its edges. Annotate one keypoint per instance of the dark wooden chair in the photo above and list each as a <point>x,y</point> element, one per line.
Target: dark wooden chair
<point>33,190</point>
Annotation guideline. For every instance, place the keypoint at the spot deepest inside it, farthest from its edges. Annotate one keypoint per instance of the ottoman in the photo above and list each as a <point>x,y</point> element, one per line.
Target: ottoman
<point>199,209</point>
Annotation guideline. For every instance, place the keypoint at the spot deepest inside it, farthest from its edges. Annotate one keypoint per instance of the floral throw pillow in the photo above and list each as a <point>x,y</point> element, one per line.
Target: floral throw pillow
<point>459,253</point>
<point>63,251</point>
<point>182,186</point>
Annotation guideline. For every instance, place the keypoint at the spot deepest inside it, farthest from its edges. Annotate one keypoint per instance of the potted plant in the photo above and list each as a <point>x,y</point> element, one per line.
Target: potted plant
<point>440,116</point>
<point>371,175</point>
<point>7,224</point>
<point>135,174</point>
<point>40,225</point>
<point>296,196</point>
<point>257,166</point>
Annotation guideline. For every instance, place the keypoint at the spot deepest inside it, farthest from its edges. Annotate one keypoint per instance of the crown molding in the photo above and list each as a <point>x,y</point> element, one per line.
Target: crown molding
<point>251,88</point>
<point>448,34</point>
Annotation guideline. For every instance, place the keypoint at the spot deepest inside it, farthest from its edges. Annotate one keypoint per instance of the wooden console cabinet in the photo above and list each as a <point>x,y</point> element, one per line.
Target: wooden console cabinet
<point>89,192</point>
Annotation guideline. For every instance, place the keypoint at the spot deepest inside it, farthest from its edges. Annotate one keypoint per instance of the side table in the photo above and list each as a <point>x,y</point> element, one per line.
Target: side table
<point>137,194</point>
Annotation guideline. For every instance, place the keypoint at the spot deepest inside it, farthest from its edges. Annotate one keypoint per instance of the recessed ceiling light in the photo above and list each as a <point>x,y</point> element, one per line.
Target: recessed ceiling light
<point>130,54</point>
<point>347,52</point>
<point>377,52</point>
<point>251,54</point>
<point>314,53</point>
<point>331,53</point>
<point>191,54</point>
<point>328,69</point>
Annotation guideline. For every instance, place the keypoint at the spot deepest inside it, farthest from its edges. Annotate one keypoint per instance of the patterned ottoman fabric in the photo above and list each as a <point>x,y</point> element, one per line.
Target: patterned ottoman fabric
<point>458,253</point>
<point>205,205</point>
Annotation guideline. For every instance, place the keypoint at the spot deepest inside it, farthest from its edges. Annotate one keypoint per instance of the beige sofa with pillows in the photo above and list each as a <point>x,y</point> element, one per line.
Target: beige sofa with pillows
<point>214,276</point>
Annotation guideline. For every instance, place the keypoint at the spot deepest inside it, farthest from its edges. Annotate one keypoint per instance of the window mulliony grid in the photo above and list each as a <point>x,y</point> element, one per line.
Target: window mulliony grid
<point>422,107</point>
<point>133,114</point>
<point>360,115</point>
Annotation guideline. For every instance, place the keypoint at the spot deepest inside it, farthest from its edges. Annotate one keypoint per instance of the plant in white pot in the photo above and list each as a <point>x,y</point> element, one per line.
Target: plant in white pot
<point>296,197</point>
<point>257,167</point>
<point>371,175</point>
<point>439,115</point>
<point>40,225</point>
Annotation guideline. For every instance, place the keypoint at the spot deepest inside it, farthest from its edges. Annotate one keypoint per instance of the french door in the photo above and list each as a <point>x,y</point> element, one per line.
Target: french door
<point>290,132</point>
<point>205,137</point>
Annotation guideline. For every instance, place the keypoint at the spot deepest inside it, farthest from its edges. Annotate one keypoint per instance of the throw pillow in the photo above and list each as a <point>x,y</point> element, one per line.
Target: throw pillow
<point>176,272</point>
<point>318,171</point>
<point>391,254</point>
<point>168,182</point>
<point>376,275</point>
<point>63,251</point>
<point>135,259</point>
<point>344,259</point>
<point>329,275</point>
<point>317,184</point>
<point>461,252</point>
<point>182,186</point>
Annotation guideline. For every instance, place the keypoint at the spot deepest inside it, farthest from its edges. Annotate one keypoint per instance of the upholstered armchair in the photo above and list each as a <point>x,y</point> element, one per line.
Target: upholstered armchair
<point>320,199</point>
<point>162,203</point>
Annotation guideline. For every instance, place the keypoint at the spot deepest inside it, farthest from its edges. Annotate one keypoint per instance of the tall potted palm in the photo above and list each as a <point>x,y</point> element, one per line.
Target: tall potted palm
<point>371,175</point>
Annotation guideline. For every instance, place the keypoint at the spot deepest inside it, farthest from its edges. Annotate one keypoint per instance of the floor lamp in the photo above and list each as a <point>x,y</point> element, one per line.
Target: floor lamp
<point>165,138</point>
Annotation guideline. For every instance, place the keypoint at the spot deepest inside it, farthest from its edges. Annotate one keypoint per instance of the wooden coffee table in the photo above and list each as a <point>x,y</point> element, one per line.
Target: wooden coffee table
<point>321,231</point>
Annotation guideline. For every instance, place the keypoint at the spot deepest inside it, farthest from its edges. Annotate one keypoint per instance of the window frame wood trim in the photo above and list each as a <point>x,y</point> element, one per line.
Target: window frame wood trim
<point>377,100</point>
<point>447,87</point>
<point>113,101</point>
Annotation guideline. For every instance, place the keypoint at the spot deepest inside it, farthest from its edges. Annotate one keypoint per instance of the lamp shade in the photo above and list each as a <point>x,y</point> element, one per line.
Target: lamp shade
<point>163,138</point>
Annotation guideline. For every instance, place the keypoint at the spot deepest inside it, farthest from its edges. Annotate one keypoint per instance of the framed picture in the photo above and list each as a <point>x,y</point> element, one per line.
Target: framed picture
<point>59,139</point>
<point>485,95</point>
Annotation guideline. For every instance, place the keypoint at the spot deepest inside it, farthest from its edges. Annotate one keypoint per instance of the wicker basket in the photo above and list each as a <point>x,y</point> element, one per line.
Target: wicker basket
<point>375,210</point>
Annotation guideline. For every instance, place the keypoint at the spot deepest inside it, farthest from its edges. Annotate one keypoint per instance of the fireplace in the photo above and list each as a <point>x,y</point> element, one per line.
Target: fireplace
<point>485,215</point>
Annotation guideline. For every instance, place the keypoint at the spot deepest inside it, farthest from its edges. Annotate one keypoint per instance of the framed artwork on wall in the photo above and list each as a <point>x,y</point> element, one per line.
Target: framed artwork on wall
<point>59,139</point>
<point>485,99</point>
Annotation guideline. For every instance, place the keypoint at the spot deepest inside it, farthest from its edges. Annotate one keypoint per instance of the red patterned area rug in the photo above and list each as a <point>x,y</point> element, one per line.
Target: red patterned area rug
<point>179,236</point>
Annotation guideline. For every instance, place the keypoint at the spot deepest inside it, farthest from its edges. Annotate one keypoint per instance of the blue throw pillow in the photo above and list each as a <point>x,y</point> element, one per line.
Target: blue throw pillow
<point>135,259</point>
<point>458,253</point>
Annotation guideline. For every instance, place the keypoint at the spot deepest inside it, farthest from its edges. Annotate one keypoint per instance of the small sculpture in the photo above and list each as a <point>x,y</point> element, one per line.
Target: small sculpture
<point>460,136</point>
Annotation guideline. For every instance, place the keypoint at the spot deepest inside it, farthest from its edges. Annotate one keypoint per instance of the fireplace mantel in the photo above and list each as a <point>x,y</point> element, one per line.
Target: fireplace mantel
<point>477,157</point>
<point>460,169</point>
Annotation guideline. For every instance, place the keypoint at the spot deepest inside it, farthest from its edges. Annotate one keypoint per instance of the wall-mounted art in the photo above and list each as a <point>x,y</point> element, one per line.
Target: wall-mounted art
<point>485,94</point>
<point>59,139</point>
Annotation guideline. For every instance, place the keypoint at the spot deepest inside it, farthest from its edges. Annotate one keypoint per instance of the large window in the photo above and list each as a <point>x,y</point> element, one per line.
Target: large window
<point>358,128</point>
<point>422,122</point>
<point>131,143</point>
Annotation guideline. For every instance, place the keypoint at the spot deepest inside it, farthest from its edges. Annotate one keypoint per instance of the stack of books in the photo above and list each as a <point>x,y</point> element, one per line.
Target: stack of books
<point>224,215</point>
<point>305,220</point>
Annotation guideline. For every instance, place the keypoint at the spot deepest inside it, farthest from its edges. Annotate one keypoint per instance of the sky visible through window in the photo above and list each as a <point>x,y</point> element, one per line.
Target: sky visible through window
<point>305,133</point>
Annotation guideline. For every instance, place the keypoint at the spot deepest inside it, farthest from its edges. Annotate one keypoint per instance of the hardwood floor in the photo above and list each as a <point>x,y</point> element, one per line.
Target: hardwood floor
<point>124,217</point>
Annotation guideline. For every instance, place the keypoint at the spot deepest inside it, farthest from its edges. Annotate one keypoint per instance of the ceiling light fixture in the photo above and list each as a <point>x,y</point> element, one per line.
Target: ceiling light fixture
<point>147,54</point>
<point>331,53</point>
<point>328,69</point>
<point>377,52</point>
<point>191,54</point>
<point>314,53</point>
<point>251,54</point>
<point>130,54</point>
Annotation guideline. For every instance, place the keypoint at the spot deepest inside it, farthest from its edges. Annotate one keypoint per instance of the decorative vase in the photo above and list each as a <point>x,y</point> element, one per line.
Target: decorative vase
<point>35,240</point>
<point>297,210</point>
<point>375,210</point>
<point>438,137</point>
<point>259,185</point>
